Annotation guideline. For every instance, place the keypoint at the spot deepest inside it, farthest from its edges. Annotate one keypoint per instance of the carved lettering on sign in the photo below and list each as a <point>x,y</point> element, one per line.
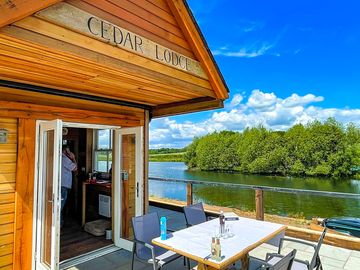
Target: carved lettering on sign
<point>81,21</point>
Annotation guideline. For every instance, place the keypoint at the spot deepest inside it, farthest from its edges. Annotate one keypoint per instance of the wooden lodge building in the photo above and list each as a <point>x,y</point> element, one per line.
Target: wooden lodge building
<point>89,75</point>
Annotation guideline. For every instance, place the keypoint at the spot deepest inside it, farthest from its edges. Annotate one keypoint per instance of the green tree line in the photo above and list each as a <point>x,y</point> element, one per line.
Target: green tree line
<point>327,149</point>
<point>166,151</point>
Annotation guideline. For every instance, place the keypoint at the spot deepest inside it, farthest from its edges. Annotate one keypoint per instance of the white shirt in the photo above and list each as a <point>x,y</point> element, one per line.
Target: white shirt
<point>67,166</point>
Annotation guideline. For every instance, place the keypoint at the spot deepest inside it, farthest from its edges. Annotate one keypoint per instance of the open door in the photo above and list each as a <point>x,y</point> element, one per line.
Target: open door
<point>128,182</point>
<point>48,195</point>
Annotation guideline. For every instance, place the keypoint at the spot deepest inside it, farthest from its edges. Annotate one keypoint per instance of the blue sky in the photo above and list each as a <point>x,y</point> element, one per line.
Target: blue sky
<point>285,62</point>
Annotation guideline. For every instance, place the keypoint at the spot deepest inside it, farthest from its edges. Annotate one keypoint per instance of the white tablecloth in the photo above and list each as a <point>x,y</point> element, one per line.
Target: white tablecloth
<point>196,240</point>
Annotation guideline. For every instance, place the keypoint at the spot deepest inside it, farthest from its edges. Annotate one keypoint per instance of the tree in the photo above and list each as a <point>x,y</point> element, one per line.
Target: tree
<point>317,149</point>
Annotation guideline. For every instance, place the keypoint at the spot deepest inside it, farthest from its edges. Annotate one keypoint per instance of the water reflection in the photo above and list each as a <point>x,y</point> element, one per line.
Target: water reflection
<point>275,203</point>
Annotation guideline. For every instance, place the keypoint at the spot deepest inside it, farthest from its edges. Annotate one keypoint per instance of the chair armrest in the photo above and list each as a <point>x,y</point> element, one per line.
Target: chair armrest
<point>143,243</point>
<point>147,245</point>
<point>282,240</point>
<point>269,256</point>
<point>262,262</point>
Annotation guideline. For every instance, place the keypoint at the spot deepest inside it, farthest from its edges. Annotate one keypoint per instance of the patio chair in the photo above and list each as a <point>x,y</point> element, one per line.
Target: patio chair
<point>284,263</point>
<point>298,264</point>
<point>146,228</point>
<point>194,214</point>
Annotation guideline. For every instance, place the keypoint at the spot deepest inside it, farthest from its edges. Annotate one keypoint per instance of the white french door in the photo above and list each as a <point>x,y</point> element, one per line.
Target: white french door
<point>48,195</point>
<point>127,188</point>
<point>128,182</point>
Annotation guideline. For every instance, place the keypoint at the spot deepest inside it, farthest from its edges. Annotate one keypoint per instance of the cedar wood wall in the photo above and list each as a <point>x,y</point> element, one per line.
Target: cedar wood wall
<point>17,163</point>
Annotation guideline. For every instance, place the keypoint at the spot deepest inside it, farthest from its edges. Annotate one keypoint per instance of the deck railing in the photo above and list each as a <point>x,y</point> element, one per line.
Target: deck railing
<point>259,191</point>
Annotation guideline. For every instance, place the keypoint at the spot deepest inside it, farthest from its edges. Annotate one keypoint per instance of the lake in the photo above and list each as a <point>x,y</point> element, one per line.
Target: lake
<point>293,205</point>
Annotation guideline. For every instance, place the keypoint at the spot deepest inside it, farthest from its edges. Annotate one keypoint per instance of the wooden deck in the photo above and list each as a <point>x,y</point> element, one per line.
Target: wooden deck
<point>333,258</point>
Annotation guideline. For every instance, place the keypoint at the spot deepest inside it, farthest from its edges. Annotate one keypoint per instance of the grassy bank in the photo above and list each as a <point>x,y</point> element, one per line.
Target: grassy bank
<point>171,157</point>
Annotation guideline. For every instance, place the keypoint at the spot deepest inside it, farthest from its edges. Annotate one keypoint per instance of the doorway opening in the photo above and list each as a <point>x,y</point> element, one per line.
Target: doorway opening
<point>88,185</point>
<point>89,198</point>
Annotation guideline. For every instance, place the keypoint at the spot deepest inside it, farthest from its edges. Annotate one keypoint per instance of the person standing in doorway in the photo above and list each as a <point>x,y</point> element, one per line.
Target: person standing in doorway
<point>68,165</point>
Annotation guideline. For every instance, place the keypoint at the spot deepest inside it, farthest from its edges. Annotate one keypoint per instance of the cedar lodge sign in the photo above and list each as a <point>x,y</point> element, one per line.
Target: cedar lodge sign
<point>81,21</point>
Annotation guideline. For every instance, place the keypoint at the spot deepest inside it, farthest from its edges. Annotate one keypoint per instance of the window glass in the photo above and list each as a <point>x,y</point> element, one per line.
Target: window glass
<point>103,150</point>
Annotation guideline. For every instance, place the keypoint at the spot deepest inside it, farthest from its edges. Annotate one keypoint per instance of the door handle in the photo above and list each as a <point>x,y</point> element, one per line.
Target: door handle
<point>137,189</point>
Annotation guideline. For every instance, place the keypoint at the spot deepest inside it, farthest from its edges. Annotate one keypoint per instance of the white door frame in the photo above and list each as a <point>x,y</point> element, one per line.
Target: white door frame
<point>41,127</point>
<point>117,200</point>
<point>139,180</point>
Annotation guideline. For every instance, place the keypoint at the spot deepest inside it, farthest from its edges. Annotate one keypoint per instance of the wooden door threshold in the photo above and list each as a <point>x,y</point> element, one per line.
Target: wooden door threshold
<point>88,256</point>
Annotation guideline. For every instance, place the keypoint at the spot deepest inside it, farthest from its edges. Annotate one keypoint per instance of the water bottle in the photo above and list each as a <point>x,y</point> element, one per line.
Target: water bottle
<point>163,228</point>
<point>222,223</point>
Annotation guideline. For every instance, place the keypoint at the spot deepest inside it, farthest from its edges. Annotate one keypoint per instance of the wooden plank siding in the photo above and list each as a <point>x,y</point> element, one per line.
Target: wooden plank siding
<point>8,156</point>
<point>40,48</point>
<point>32,44</point>
<point>147,20</point>
<point>50,69</point>
<point>32,111</point>
<point>31,63</point>
<point>107,15</point>
<point>16,209</point>
<point>24,199</point>
<point>14,10</point>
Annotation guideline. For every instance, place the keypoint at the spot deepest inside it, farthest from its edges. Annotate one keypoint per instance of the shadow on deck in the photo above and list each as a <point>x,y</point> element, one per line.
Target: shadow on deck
<point>333,258</point>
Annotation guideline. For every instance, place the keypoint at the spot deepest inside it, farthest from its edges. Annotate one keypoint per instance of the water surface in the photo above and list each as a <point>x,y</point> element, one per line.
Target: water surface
<point>275,203</point>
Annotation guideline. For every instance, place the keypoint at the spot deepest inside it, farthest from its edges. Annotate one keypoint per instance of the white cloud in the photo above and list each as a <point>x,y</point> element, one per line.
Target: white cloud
<point>262,101</point>
<point>247,52</point>
<point>261,108</point>
<point>236,100</point>
<point>296,100</point>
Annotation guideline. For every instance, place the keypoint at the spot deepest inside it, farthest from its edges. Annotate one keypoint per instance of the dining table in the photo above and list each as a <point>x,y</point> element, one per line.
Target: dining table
<point>244,235</point>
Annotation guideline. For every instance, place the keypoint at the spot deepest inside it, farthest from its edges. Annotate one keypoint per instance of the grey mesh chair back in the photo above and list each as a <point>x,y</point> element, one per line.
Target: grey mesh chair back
<point>194,214</point>
<point>146,228</point>
<point>316,259</point>
<point>285,263</point>
<point>275,241</point>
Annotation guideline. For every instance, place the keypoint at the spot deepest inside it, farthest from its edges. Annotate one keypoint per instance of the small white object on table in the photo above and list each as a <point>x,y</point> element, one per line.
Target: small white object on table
<point>195,242</point>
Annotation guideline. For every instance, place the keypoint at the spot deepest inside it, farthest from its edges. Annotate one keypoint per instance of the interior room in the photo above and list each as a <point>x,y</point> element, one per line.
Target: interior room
<point>86,213</point>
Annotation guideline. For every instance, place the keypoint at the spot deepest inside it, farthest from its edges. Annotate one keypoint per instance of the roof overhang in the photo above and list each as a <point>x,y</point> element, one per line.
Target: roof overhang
<point>41,46</point>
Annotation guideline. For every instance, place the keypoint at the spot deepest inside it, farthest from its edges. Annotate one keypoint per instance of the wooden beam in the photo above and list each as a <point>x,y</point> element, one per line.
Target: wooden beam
<point>193,34</point>
<point>60,33</point>
<point>34,43</point>
<point>259,202</point>
<point>189,194</point>
<point>14,10</point>
<point>16,95</point>
<point>189,106</point>
<point>32,111</point>
<point>336,240</point>
<point>24,198</point>
<point>146,160</point>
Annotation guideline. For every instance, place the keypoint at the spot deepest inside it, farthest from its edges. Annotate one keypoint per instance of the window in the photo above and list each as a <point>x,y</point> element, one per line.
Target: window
<point>102,150</point>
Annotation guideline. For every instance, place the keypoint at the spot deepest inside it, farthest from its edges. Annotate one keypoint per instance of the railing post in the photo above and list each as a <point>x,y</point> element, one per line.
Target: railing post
<point>259,202</point>
<point>189,192</point>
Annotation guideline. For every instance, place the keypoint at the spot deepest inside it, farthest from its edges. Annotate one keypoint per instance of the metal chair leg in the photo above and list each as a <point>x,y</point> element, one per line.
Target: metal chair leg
<point>132,261</point>
<point>133,256</point>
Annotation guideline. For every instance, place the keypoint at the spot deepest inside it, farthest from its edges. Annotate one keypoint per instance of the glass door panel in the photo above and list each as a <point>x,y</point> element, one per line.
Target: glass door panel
<point>128,171</point>
<point>48,195</point>
<point>48,205</point>
<point>128,182</point>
